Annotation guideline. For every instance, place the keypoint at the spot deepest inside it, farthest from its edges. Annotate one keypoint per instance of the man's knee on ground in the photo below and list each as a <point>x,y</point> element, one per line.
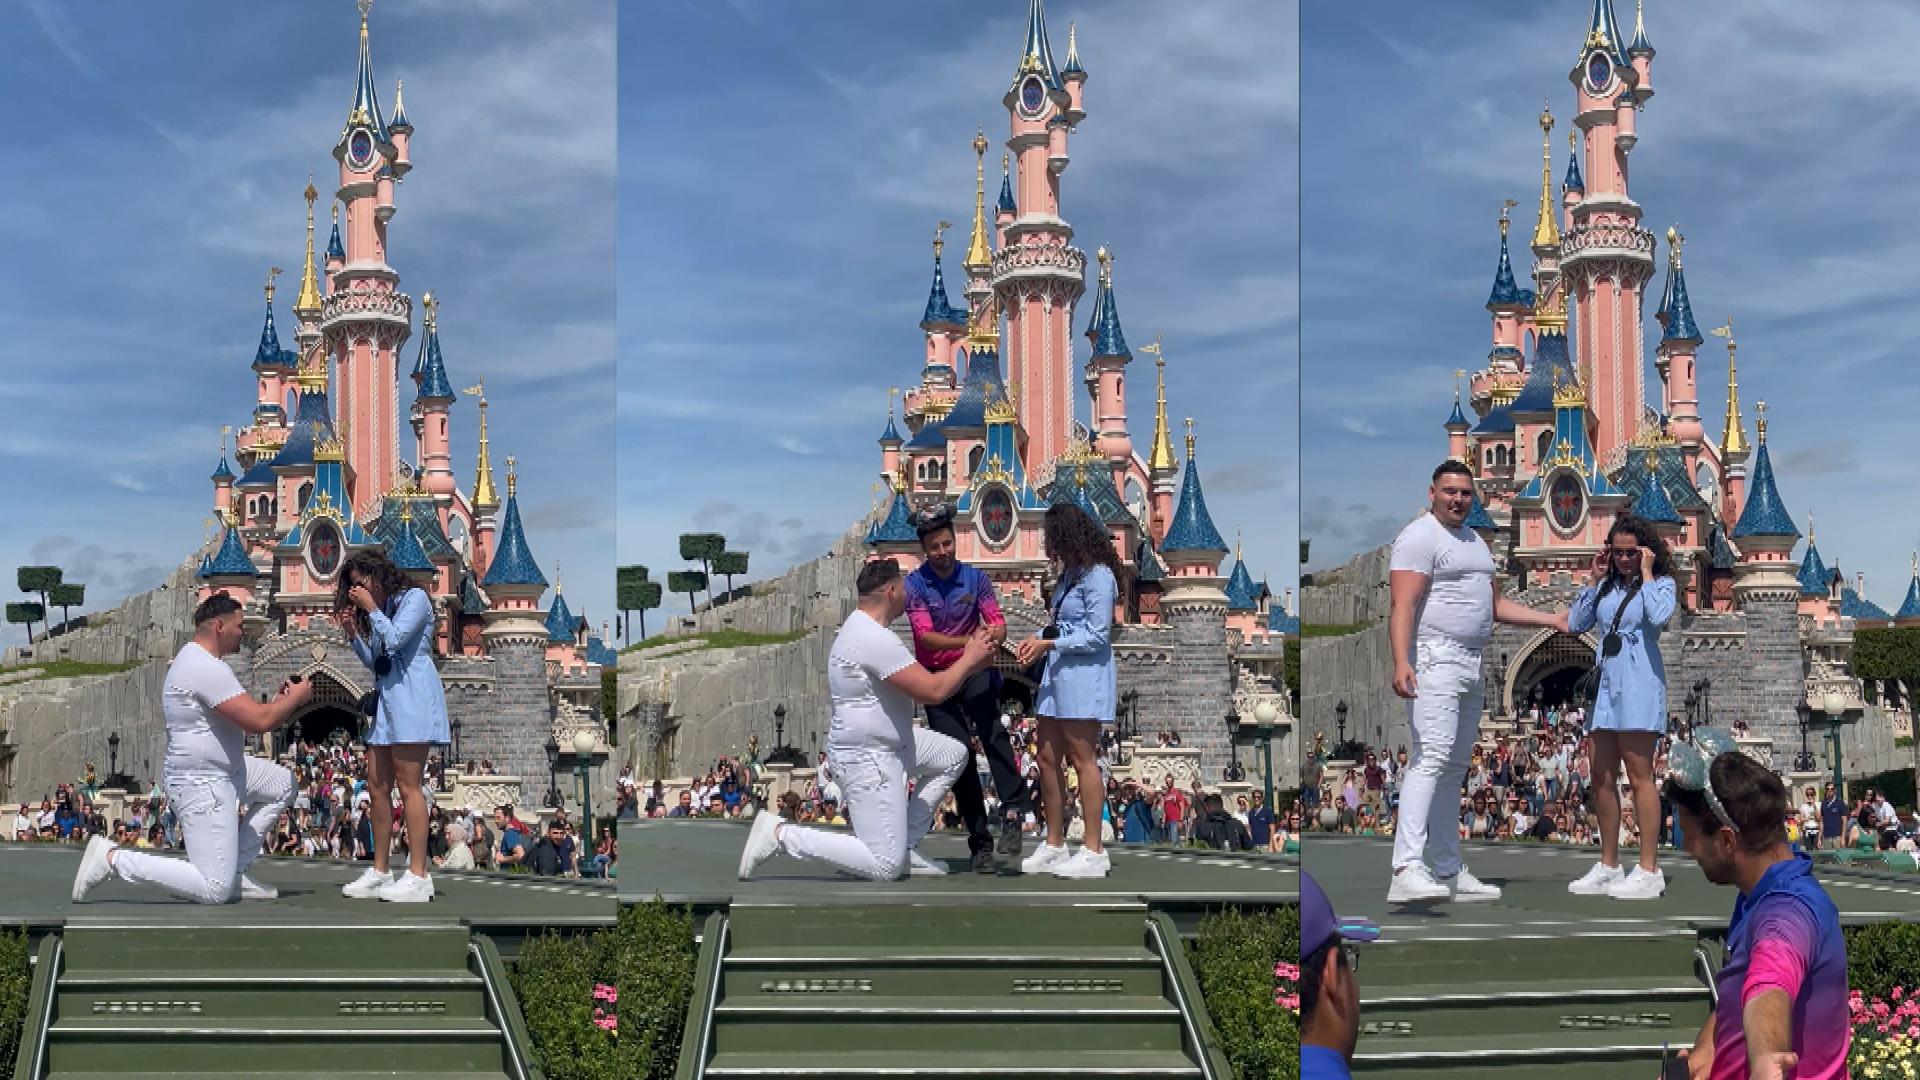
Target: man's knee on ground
<point>215,888</point>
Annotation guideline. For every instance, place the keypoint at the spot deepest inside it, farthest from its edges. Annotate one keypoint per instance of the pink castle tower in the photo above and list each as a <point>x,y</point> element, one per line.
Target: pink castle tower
<point>430,420</point>
<point>486,499</point>
<point>1037,274</point>
<point>365,318</point>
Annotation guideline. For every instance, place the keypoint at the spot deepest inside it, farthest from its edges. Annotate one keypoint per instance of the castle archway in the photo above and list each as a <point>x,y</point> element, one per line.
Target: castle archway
<point>1550,663</point>
<point>333,710</point>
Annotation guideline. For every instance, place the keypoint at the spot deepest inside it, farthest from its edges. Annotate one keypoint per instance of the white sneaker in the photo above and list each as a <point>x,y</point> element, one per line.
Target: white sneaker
<point>761,843</point>
<point>408,888</point>
<point>1082,864</point>
<point>1044,858</point>
<point>1466,888</point>
<point>919,865</point>
<point>1416,883</point>
<point>1596,881</point>
<point>253,890</point>
<point>1639,885</point>
<point>368,885</point>
<point>94,867</point>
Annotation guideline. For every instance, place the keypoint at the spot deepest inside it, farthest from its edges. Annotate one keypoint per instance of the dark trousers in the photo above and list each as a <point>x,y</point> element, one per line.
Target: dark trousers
<point>974,712</point>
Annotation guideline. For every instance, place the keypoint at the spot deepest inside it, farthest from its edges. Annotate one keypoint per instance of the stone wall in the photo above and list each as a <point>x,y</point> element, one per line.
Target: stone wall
<point>1349,595</point>
<point>815,594</point>
<point>55,727</point>
<point>1191,692</point>
<point>150,626</point>
<point>706,703</point>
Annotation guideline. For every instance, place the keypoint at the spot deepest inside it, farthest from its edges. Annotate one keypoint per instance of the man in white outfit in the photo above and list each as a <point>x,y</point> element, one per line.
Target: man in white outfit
<point>208,774</point>
<point>1444,607</point>
<point>873,745</point>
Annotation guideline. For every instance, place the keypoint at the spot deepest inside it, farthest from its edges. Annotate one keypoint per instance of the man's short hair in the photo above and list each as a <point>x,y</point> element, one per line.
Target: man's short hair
<point>1754,797</point>
<point>213,607</point>
<point>1451,466</point>
<point>877,575</point>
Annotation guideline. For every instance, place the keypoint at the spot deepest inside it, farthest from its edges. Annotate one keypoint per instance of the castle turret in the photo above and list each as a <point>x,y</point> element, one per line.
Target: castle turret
<point>1192,547</point>
<point>400,131</point>
<point>1653,505</point>
<point>563,626</point>
<point>1162,467</point>
<point>1106,372</point>
<point>890,441</point>
<point>432,404</point>
<point>1072,76</point>
<point>1764,532</point>
<point>1679,341</point>
<point>406,551</point>
<point>943,324</point>
<point>1640,51</point>
<point>1507,302</point>
<point>513,582</point>
<point>1243,594</point>
<point>271,366</point>
<point>485,501</point>
<point>1909,612</point>
<point>365,319</point>
<point>1006,209</point>
<point>1457,426</point>
<point>223,482</point>
<point>230,570</point>
<point>1815,579</point>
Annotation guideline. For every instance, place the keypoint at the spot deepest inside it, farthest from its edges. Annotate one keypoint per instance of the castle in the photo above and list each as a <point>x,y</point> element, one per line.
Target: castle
<point>321,476</point>
<point>1562,439</point>
<point>1002,445</point>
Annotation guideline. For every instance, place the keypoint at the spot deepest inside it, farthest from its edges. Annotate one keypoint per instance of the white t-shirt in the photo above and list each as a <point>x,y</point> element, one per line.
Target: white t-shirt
<point>200,742</point>
<point>865,708</point>
<point>1458,606</point>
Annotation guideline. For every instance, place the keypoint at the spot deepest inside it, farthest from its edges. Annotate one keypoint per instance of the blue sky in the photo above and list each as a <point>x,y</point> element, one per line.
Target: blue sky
<point>1779,139</point>
<point>779,188</point>
<point>154,174</point>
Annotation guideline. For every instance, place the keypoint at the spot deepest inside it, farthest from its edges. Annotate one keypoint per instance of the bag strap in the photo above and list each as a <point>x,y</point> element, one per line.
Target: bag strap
<point>1632,591</point>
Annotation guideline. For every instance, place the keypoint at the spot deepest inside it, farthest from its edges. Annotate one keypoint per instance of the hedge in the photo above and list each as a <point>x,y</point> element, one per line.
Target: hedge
<point>1234,958</point>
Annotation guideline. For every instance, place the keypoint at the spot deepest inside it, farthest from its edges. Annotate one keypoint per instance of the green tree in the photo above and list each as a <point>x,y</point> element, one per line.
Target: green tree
<point>38,579</point>
<point>702,548</point>
<point>626,579</point>
<point>689,582</point>
<point>26,613</point>
<point>1890,653</point>
<point>67,595</point>
<point>649,599</point>
<point>729,563</point>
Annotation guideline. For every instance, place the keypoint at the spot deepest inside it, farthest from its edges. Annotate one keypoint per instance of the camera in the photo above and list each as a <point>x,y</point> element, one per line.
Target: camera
<point>1050,632</point>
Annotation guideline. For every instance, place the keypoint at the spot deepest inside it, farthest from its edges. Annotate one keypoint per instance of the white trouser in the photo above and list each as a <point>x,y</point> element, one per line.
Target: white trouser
<point>886,823</point>
<point>220,844</point>
<point>1444,718</point>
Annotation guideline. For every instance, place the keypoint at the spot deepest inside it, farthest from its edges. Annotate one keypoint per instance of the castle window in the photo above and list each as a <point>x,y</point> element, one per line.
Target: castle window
<point>974,458</point>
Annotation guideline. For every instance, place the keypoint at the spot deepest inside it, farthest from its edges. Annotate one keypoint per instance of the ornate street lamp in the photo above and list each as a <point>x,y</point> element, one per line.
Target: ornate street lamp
<point>1693,710</point>
<point>1340,721</point>
<point>782,754</point>
<point>1499,694</point>
<point>453,723</point>
<point>779,727</point>
<point>1129,722</point>
<point>1235,773</point>
<point>553,774</point>
<point>1265,716</point>
<point>1835,707</point>
<point>584,758</point>
<point>1804,761</point>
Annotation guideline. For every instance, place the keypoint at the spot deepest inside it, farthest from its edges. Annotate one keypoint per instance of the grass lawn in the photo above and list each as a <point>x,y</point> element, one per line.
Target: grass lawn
<point>719,639</point>
<point>68,669</point>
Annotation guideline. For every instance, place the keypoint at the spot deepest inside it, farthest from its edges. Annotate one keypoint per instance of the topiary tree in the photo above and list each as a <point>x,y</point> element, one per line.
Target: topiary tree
<point>27,614</point>
<point>38,579</point>
<point>67,594</point>
<point>729,563</point>
<point>649,599</point>
<point>1890,653</point>
<point>626,581</point>
<point>702,548</point>
<point>689,582</point>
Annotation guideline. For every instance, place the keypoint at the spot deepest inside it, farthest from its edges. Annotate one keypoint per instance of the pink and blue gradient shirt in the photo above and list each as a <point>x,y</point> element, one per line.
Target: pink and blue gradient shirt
<point>1785,935</point>
<point>953,605</point>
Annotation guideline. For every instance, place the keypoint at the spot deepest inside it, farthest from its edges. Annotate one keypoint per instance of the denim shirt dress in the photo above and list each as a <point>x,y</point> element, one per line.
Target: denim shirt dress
<point>1633,683</point>
<point>413,707</point>
<point>1081,681</point>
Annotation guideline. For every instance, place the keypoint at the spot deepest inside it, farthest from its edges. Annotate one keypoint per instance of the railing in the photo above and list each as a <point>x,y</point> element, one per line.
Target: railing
<point>41,994</point>
<point>505,1008</point>
<point>366,302</point>
<point>1631,238</point>
<point>1195,1025</point>
<point>697,1037</point>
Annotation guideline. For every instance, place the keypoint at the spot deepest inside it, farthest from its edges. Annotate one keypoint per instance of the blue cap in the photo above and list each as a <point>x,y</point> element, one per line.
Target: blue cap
<point>1318,923</point>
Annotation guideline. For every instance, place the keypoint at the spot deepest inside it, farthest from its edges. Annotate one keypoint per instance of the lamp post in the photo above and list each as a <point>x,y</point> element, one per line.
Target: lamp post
<point>553,771</point>
<point>1129,722</point>
<point>1340,722</point>
<point>584,753</point>
<point>1835,707</point>
<point>453,724</point>
<point>1264,718</point>
<point>1500,683</point>
<point>779,727</point>
<point>1704,688</point>
<point>1804,761</point>
<point>1693,710</point>
<point>1235,773</point>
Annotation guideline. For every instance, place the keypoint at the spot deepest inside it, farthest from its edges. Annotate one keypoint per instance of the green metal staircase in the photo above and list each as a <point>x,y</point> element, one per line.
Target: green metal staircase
<point>1576,1007</point>
<point>274,1001</point>
<point>942,991</point>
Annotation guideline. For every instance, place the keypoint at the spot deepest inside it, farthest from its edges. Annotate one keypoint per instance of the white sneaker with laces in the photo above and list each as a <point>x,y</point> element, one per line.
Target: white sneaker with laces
<point>1083,864</point>
<point>368,885</point>
<point>1638,884</point>
<point>1416,883</point>
<point>919,865</point>
<point>1466,888</point>
<point>94,867</point>
<point>408,888</point>
<point>253,890</point>
<point>761,843</point>
<point>1596,881</point>
<point>1044,858</point>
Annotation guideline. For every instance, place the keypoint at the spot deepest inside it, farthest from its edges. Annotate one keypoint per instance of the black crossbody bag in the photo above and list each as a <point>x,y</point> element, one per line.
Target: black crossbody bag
<point>1049,632</point>
<point>1588,687</point>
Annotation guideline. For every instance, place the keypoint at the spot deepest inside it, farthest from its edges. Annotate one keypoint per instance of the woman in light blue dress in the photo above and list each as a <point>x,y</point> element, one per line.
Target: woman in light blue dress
<point>1078,687</point>
<point>1635,572</point>
<point>389,622</point>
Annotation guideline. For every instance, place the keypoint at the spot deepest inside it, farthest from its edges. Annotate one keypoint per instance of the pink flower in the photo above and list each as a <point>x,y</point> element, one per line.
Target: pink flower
<point>1898,993</point>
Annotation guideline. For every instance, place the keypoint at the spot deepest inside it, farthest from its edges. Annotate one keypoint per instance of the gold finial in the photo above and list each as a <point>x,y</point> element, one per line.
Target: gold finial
<point>1189,438</point>
<point>1734,441</point>
<point>1237,557</point>
<point>399,88</point>
<point>484,495</point>
<point>1639,20</point>
<point>311,375</point>
<point>1760,425</point>
<point>1675,241</point>
<point>1073,44</point>
<point>406,513</point>
<point>1458,374</point>
<point>513,477</point>
<point>939,240</point>
<point>892,392</point>
<point>1161,458</point>
<point>308,302</point>
<point>432,304</point>
<point>272,272</point>
<point>1106,266</point>
<point>1809,528</point>
<point>365,6</point>
<point>1505,219</point>
<point>1546,233</point>
<point>979,255</point>
<point>1567,393</point>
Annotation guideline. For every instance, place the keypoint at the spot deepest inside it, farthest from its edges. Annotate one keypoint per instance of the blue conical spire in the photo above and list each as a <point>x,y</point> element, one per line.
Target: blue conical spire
<point>1458,419</point>
<point>1604,30</point>
<point>430,368</point>
<point>1573,182</point>
<point>1680,326</point>
<point>1764,514</point>
<point>940,311</point>
<point>1814,575</point>
<point>1038,54</point>
<point>1640,43</point>
<point>336,250</point>
<point>399,122</point>
<point>268,354</point>
<point>1505,292</point>
<point>1103,329</point>
<point>1910,607</point>
<point>512,561</point>
<point>1477,516</point>
<point>897,526</point>
<point>1653,504</point>
<point>1192,528</point>
<point>230,559</point>
<point>406,552</point>
<point>892,434</point>
<point>562,625</point>
<point>366,98</point>
<point>1007,205</point>
<point>1242,593</point>
<point>221,472</point>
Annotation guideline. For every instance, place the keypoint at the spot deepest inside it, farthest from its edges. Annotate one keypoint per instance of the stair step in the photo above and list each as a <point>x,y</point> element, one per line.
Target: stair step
<point>1527,1053</point>
<point>975,956</point>
<point>1139,974</point>
<point>933,926</point>
<point>190,1045</point>
<point>292,1074</point>
<point>264,949</point>
<point>211,997</point>
<point>1431,962</point>
<point>1595,1069</point>
<point>1036,1037</point>
<point>1633,1004</point>
<point>840,1065</point>
<point>853,1007</point>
